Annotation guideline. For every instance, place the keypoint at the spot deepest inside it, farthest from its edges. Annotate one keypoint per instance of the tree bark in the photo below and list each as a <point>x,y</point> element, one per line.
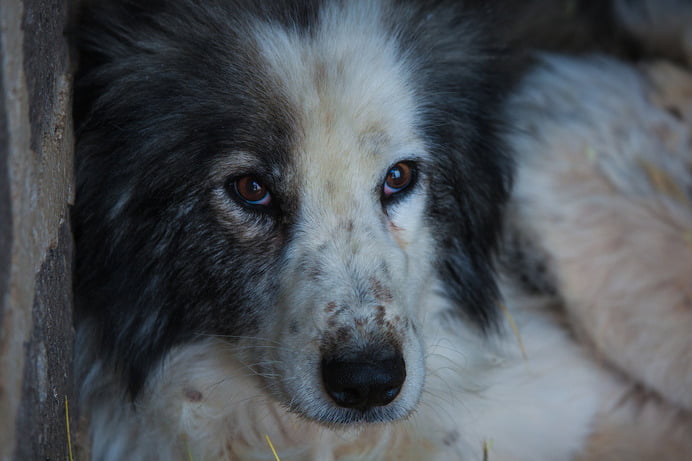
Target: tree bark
<point>36,188</point>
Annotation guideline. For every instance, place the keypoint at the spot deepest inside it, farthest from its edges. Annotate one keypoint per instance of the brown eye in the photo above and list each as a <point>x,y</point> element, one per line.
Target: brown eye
<point>399,177</point>
<point>252,191</point>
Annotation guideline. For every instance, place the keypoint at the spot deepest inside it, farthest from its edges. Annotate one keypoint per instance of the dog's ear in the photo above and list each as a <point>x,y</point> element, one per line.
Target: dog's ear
<point>113,269</point>
<point>469,191</point>
<point>462,85</point>
<point>102,32</point>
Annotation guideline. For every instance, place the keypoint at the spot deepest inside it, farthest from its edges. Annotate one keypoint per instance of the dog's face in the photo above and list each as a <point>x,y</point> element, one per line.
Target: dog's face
<point>358,255</point>
<point>294,189</point>
<point>341,220</point>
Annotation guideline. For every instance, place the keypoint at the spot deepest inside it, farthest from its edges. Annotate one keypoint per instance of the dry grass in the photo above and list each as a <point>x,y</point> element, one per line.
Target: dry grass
<point>271,445</point>
<point>67,425</point>
<point>515,330</point>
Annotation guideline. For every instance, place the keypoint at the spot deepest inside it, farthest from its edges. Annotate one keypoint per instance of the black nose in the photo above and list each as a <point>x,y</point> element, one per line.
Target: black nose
<point>363,382</point>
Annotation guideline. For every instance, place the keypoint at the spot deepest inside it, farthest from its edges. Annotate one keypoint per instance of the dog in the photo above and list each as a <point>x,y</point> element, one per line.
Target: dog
<point>287,223</point>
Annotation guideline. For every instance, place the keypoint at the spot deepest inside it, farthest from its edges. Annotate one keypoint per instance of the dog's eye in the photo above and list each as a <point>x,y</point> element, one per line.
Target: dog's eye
<point>399,177</point>
<point>252,191</point>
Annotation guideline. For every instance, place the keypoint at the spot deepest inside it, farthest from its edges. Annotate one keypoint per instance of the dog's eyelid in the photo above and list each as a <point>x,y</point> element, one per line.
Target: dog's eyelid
<point>251,191</point>
<point>400,178</point>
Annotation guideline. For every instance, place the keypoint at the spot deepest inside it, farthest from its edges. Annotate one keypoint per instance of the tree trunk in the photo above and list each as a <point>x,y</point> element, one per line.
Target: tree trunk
<point>36,148</point>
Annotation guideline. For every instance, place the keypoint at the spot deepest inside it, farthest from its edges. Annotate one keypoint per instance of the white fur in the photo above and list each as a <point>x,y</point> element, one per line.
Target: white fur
<point>605,187</point>
<point>356,118</point>
<point>477,392</point>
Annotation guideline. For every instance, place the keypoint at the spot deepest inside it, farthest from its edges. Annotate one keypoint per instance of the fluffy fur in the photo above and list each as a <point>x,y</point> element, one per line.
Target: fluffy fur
<point>600,219</point>
<point>608,197</point>
<point>206,322</point>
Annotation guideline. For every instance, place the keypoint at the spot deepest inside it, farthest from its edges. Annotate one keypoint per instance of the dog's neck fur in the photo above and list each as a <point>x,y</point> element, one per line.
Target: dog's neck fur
<point>480,396</point>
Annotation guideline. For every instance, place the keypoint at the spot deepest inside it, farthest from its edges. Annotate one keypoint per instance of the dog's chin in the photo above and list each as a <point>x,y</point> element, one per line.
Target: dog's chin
<point>347,419</point>
<point>318,408</point>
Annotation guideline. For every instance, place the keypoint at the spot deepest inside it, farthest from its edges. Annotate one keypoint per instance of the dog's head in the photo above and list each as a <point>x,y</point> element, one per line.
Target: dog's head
<point>294,180</point>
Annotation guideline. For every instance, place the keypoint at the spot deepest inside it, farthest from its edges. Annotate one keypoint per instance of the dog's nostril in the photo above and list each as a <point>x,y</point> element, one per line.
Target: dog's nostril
<point>363,383</point>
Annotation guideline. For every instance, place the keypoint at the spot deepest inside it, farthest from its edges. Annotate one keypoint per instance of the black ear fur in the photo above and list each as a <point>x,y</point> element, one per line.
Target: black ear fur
<point>463,81</point>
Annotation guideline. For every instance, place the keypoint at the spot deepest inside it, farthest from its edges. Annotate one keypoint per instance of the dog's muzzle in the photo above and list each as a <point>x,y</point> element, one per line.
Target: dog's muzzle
<point>363,381</point>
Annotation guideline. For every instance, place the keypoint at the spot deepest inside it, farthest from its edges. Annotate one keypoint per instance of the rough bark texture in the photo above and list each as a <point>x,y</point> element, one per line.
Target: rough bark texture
<point>36,333</point>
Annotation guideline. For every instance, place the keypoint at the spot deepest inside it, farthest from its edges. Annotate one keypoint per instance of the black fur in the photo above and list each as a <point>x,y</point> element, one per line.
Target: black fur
<point>167,89</point>
<point>473,169</point>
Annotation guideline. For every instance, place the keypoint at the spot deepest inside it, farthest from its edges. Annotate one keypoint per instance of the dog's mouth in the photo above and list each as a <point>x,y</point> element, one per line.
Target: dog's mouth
<point>358,394</point>
<point>348,350</point>
<point>344,387</point>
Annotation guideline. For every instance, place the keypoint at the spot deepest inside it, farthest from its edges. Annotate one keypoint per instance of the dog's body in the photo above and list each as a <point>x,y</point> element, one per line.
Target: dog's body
<point>604,188</point>
<point>601,215</point>
<point>286,220</point>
